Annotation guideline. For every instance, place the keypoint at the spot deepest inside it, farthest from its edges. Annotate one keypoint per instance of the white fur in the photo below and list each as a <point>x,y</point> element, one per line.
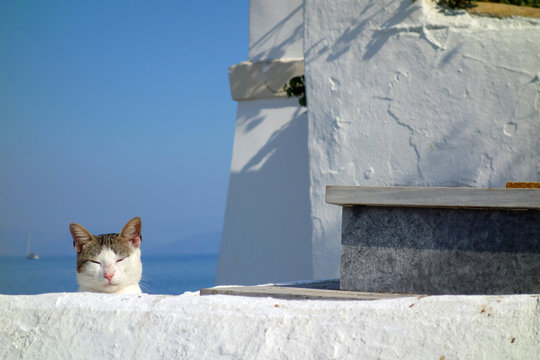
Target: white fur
<point>127,273</point>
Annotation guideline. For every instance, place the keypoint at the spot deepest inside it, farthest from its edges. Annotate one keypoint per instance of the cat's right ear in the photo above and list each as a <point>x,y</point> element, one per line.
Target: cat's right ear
<point>132,232</point>
<point>80,236</point>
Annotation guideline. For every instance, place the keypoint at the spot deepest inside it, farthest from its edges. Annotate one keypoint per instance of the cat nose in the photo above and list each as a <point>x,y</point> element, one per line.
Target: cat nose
<point>108,276</point>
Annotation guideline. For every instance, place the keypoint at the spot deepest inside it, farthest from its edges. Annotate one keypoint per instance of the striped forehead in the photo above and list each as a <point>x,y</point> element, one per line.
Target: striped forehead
<point>100,242</point>
<point>112,242</point>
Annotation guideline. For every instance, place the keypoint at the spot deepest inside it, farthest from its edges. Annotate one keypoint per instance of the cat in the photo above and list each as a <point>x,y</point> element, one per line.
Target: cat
<point>109,263</point>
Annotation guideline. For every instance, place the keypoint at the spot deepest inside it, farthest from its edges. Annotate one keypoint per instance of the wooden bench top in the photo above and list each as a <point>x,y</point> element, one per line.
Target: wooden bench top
<point>433,197</point>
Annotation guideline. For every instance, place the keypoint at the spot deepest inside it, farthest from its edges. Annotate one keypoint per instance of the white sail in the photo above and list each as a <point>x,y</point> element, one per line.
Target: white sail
<point>29,253</point>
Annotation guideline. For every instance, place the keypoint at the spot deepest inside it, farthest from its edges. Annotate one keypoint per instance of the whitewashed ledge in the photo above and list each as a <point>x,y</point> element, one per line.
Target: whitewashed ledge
<point>100,326</point>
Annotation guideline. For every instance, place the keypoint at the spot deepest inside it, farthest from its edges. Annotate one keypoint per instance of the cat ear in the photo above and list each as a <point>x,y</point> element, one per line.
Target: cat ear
<point>132,231</point>
<point>80,235</point>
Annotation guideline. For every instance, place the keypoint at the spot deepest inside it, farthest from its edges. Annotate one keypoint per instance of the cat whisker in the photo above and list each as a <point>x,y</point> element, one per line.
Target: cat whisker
<point>143,285</point>
<point>145,288</point>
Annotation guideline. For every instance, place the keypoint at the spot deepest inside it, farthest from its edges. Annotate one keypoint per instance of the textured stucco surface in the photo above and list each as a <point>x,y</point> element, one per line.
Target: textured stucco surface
<point>401,93</point>
<point>276,29</point>
<point>267,232</point>
<point>100,326</point>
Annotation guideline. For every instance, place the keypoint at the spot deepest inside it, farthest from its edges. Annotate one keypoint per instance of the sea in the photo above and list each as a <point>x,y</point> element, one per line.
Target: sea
<point>162,274</point>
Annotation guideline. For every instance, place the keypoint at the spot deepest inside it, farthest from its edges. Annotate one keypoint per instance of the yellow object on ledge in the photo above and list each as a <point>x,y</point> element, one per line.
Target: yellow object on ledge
<point>503,10</point>
<point>523,185</point>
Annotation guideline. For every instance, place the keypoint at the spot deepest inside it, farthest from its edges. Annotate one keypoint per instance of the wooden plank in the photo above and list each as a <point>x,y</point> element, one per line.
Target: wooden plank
<point>502,10</point>
<point>291,293</point>
<point>433,197</point>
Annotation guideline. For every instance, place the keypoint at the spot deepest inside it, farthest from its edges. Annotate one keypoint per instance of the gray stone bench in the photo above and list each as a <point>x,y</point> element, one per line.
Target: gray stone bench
<point>439,240</point>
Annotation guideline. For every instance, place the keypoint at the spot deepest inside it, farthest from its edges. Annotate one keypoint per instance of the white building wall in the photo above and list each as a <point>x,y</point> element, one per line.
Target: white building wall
<point>401,93</point>
<point>276,29</point>
<point>267,230</point>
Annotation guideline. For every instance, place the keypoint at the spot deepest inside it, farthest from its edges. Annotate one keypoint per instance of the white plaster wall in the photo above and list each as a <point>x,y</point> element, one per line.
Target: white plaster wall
<point>276,29</point>
<point>401,93</point>
<point>267,228</point>
<point>102,326</point>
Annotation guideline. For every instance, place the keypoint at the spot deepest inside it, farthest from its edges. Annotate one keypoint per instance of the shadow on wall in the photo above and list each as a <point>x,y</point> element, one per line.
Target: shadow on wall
<point>343,43</point>
<point>285,140</point>
<point>463,159</point>
<point>460,151</point>
<point>267,231</point>
<point>276,51</point>
<point>378,39</point>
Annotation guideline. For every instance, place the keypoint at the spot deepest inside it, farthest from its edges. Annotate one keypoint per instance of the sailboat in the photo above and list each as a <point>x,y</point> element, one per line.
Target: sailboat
<point>29,253</point>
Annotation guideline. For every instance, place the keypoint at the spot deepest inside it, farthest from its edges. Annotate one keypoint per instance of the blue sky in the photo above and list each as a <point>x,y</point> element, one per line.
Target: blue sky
<point>115,109</point>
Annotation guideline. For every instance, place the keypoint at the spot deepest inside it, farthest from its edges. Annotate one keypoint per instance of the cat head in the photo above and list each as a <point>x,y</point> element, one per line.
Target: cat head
<point>109,262</point>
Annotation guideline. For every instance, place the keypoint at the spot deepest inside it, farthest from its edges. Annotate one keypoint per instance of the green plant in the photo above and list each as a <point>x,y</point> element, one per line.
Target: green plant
<point>463,4</point>
<point>296,87</point>
<point>457,4</point>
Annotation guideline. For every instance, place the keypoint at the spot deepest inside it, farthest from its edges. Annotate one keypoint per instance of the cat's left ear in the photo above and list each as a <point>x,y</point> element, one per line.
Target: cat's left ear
<point>132,231</point>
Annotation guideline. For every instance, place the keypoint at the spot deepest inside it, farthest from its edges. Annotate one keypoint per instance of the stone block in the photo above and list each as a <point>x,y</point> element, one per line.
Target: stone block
<point>440,250</point>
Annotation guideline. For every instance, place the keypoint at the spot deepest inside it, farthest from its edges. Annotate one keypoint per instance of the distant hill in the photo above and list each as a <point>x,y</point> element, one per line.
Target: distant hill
<point>207,243</point>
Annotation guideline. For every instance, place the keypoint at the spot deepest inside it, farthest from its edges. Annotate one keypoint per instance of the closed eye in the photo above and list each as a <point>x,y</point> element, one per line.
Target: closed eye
<point>119,260</point>
<point>95,262</point>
